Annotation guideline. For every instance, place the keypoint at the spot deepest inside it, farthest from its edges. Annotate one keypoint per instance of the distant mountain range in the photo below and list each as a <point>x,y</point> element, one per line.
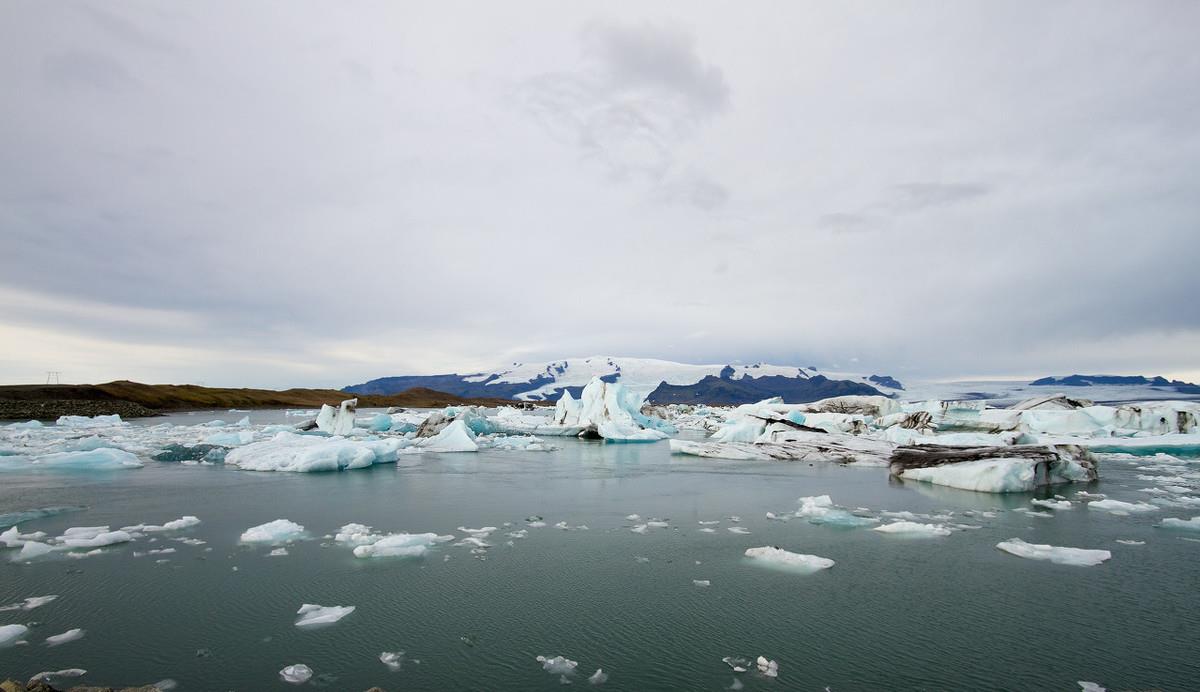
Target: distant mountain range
<point>660,381</point>
<point>1118,380</point>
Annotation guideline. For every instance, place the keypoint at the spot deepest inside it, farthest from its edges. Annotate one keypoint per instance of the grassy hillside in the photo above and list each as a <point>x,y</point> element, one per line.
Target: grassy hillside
<point>36,400</point>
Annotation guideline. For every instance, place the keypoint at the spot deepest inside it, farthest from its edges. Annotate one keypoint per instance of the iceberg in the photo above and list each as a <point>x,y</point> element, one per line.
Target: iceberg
<point>297,674</point>
<point>337,421</point>
<point>10,634</point>
<point>610,411</point>
<point>33,549</point>
<point>312,615</point>
<point>1053,504</point>
<point>557,665</point>
<point>94,540</point>
<point>89,422</point>
<point>68,636</point>
<point>599,677</point>
<point>1078,557</point>
<point>399,545</point>
<point>1192,524</point>
<point>273,532</point>
<point>1119,507</point>
<point>778,557</point>
<point>999,475</point>
<point>820,509</point>
<point>912,528</point>
<point>104,458</point>
<point>766,666</point>
<point>455,437</point>
<point>298,453</point>
<point>29,603</point>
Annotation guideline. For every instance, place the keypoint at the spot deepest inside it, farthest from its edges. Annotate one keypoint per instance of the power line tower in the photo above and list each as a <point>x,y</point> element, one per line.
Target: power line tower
<point>53,377</point>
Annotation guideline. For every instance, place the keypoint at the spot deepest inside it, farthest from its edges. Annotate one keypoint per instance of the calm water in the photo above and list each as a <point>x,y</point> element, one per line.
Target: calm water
<point>947,613</point>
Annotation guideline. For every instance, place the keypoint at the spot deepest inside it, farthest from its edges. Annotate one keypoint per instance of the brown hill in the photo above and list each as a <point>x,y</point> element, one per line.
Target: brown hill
<point>135,398</point>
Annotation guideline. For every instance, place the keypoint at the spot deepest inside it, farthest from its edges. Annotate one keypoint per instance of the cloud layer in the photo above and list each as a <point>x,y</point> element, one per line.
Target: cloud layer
<point>301,193</point>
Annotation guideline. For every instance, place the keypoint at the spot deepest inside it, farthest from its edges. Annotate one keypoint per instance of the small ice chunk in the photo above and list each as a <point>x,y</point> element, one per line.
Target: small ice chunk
<point>1078,557</point>
<point>98,540</point>
<point>68,636</point>
<point>640,528</point>
<point>738,530</point>
<point>402,545</point>
<point>1128,541</point>
<point>1085,686</point>
<point>311,615</point>
<point>599,677</point>
<point>50,675</point>
<point>278,552</point>
<point>277,531</point>
<point>1052,504</point>
<point>737,663</point>
<point>1119,507</point>
<point>708,523</point>
<point>767,667</point>
<point>707,529</point>
<point>9,634</point>
<point>1192,524</point>
<point>632,517</point>
<point>701,582</point>
<point>394,660</point>
<point>557,665</point>
<point>778,557</point>
<point>297,674</point>
<point>912,528</point>
<point>29,603</point>
<point>480,533</point>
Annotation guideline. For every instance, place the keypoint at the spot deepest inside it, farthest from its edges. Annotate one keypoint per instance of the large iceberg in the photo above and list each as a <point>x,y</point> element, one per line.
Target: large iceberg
<point>337,421</point>
<point>1079,557</point>
<point>780,558</point>
<point>993,469</point>
<point>610,411</point>
<point>289,451</point>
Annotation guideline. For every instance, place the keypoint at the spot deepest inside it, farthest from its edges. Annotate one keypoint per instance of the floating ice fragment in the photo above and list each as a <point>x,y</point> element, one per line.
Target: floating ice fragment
<point>277,531</point>
<point>912,528</point>
<point>311,614</point>
<point>9,634</point>
<point>297,674</point>
<point>1078,557</point>
<point>632,517</point>
<point>278,552</point>
<point>557,665</point>
<point>819,509</point>
<point>640,528</point>
<point>1192,524</point>
<point>1127,541</point>
<point>50,675</point>
<point>767,667</point>
<point>394,660</point>
<point>86,422</point>
<point>96,540</point>
<point>738,529</point>
<point>105,458</point>
<point>402,545</point>
<point>735,685</point>
<point>1052,504</point>
<point>480,533</point>
<point>707,529</point>
<point>29,603</point>
<point>33,549</point>
<point>708,523</point>
<point>701,582</point>
<point>1119,507</point>
<point>68,636</point>
<point>778,557</point>
<point>1086,686</point>
<point>737,663</point>
<point>599,677</point>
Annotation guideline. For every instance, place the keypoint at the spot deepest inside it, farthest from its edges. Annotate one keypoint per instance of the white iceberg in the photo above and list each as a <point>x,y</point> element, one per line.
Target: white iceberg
<point>455,437</point>
<point>1053,504</point>
<point>94,540</point>
<point>610,411</point>
<point>1119,507</point>
<point>1078,557</point>
<point>29,603</point>
<point>104,458</point>
<point>557,665</point>
<point>912,528</point>
<point>297,674</point>
<point>399,545</point>
<point>819,509</point>
<point>33,549</point>
<point>766,666</point>
<point>394,660</point>
<point>89,422</point>
<point>778,557</point>
<point>312,615</point>
<point>10,634</point>
<point>337,421</point>
<point>68,636</point>
<point>294,452</point>
<point>1192,524</point>
<point>599,677</point>
<point>277,531</point>
<point>998,475</point>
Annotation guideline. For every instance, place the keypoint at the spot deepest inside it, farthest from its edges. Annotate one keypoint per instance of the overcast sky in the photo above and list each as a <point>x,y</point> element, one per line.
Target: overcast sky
<point>299,193</point>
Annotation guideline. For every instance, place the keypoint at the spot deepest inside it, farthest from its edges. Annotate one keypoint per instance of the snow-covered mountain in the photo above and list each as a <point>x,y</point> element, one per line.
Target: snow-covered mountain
<point>661,381</point>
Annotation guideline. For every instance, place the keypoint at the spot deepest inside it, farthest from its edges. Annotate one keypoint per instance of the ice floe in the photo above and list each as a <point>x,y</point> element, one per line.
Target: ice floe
<point>29,603</point>
<point>397,544</point>
<point>297,674</point>
<point>819,509</point>
<point>1120,507</point>
<point>312,615</point>
<point>912,528</point>
<point>294,452</point>
<point>778,557</point>
<point>394,660</point>
<point>1192,524</point>
<point>1079,557</point>
<point>557,665</point>
<point>277,531</point>
<point>1052,504</point>
<point>598,678</point>
<point>66,637</point>
<point>11,634</point>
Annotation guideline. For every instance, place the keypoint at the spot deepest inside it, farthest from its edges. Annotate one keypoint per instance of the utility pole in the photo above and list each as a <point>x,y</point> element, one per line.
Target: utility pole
<point>53,377</point>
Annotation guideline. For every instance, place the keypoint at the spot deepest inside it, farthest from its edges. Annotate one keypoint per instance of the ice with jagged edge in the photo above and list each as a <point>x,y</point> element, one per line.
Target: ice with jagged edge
<point>771,556</point>
<point>312,615</point>
<point>1079,557</point>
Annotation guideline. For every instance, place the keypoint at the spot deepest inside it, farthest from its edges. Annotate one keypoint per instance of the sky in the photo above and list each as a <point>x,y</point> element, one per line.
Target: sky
<point>303,193</point>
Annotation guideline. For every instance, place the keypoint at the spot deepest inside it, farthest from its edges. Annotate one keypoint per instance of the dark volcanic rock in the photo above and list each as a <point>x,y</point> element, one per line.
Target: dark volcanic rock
<point>1136,380</point>
<point>886,381</point>
<point>53,408</point>
<point>794,390</point>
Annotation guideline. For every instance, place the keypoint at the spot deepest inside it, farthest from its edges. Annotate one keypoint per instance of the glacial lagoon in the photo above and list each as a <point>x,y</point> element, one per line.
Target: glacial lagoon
<point>894,611</point>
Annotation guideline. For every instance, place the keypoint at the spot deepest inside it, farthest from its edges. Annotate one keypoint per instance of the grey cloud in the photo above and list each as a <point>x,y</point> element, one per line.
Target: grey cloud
<point>641,92</point>
<point>86,69</point>
<point>916,196</point>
